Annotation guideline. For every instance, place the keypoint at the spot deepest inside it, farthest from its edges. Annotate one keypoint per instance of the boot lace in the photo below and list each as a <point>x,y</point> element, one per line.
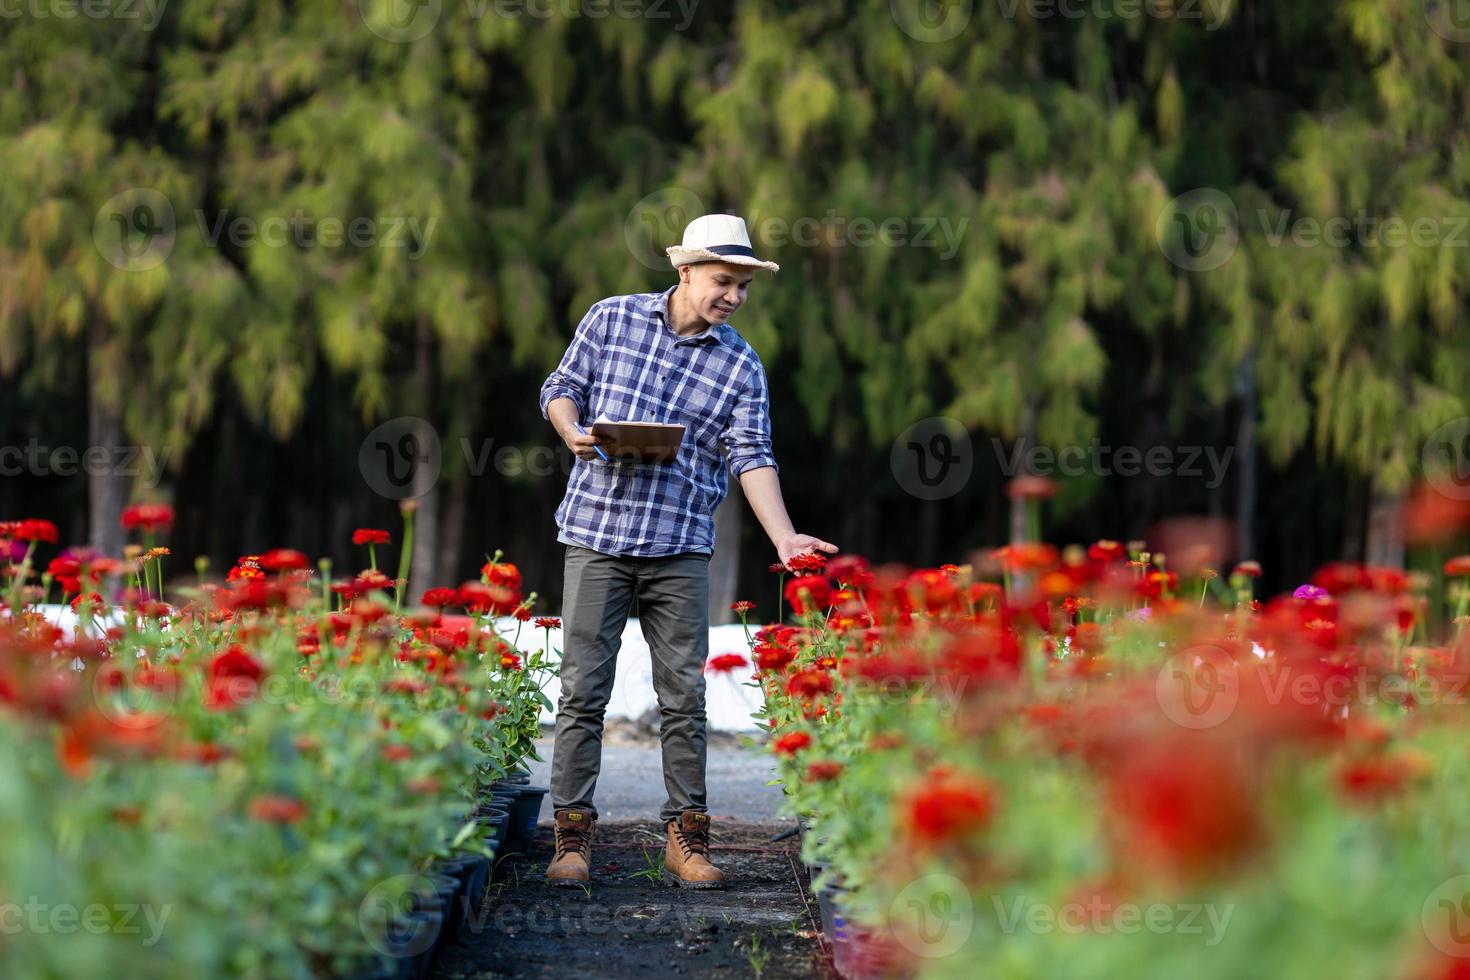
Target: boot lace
<point>693,841</point>
<point>570,839</point>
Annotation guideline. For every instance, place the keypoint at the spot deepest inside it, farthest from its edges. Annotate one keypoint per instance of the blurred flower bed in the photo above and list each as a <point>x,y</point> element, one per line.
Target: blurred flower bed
<point>1111,763</point>
<point>247,782</point>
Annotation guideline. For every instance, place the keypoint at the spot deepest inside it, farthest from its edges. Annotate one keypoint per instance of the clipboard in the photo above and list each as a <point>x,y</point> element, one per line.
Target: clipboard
<point>640,442</point>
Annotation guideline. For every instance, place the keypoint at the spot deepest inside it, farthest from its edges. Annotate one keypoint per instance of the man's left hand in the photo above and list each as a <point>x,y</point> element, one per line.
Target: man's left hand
<point>801,544</point>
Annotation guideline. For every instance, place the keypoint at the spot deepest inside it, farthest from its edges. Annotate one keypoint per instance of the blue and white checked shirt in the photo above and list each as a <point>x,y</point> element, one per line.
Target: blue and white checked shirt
<point>626,362</point>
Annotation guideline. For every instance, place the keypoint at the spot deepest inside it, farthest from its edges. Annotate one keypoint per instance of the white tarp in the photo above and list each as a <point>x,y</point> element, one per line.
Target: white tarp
<point>728,701</point>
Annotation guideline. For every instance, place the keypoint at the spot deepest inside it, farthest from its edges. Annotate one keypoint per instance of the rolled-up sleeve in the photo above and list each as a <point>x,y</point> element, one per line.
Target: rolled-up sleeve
<point>747,436</point>
<point>573,376</point>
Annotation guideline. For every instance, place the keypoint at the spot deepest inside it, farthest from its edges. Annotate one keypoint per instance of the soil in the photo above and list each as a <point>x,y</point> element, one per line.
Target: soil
<point>764,923</point>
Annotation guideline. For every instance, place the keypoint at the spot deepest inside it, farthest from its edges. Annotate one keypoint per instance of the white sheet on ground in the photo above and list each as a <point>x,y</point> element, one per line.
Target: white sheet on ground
<point>728,701</point>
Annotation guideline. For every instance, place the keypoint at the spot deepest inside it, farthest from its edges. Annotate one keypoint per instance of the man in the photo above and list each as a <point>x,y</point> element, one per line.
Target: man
<point>645,531</point>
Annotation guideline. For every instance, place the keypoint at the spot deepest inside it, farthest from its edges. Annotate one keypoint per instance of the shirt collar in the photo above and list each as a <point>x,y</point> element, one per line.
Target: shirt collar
<point>658,303</point>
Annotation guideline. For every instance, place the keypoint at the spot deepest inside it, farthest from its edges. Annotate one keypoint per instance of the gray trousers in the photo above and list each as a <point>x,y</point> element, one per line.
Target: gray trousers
<point>672,593</point>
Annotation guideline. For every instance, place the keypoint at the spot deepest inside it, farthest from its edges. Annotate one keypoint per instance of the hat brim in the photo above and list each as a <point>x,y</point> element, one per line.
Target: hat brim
<point>679,255</point>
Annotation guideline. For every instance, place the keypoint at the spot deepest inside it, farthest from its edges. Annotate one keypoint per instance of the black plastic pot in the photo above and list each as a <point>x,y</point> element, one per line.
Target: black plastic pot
<point>446,890</point>
<point>432,921</point>
<point>514,779</point>
<point>409,944</point>
<point>372,968</point>
<point>497,824</point>
<point>472,872</point>
<point>523,817</point>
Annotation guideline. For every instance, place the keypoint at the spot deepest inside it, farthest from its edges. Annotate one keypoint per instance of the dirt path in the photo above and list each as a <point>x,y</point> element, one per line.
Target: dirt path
<point>634,926</point>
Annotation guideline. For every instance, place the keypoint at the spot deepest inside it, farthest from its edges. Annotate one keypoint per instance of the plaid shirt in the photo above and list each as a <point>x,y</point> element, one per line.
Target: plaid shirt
<point>625,361</point>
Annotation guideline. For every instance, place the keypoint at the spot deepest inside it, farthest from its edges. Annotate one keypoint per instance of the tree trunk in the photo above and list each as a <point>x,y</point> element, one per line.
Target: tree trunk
<point>422,574</point>
<point>452,530</point>
<point>107,488</point>
<point>1385,530</point>
<point>724,564</point>
<point>1024,442</point>
<point>1245,450</point>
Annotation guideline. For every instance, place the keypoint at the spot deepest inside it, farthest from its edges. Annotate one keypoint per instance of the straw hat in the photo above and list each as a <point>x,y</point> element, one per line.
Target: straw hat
<point>717,238</point>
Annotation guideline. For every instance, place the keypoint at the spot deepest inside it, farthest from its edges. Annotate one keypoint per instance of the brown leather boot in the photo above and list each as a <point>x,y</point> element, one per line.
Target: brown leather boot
<point>686,859</point>
<point>572,864</point>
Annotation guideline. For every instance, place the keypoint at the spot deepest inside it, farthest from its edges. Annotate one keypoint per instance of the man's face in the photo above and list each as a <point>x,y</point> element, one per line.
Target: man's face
<point>716,289</point>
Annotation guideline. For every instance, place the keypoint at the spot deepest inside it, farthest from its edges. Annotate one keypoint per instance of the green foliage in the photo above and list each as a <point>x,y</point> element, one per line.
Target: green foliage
<point>1021,168</point>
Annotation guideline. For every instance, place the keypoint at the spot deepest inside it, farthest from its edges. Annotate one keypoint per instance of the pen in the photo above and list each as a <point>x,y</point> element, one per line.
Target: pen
<point>598,448</point>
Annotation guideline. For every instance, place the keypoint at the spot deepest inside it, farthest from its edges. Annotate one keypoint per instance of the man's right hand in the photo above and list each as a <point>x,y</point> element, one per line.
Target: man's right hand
<point>563,415</point>
<point>584,444</point>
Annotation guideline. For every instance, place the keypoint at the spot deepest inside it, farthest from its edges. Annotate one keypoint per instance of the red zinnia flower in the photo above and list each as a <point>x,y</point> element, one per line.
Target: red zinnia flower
<point>809,684</point>
<point>148,517</point>
<point>809,562</point>
<point>274,808</point>
<point>808,592</point>
<point>509,661</point>
<point>1458,567</point>
<point>1186,806</point>
<point>369,580</point>
<point>1026,556</point>
<point>441,597</point>
<point>233,677</point>
<point>1031,487</point>
<point>368,535</point>
<point>948,807</point>
<point>726,662</point>
<point>823,770</point>
<point>548,623</point>
<point>282,560</point>
<point>35,529</point>
<point>773,659</point>
<point>1374,779</point>
<point>742,607</point>
<point>498,600</point>
<point>502,573</point>
<point>792,743</point>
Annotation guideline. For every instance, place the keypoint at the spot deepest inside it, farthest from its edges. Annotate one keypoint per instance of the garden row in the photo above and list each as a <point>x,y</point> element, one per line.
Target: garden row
<point>282,774</point>
<point>1106,762</point>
